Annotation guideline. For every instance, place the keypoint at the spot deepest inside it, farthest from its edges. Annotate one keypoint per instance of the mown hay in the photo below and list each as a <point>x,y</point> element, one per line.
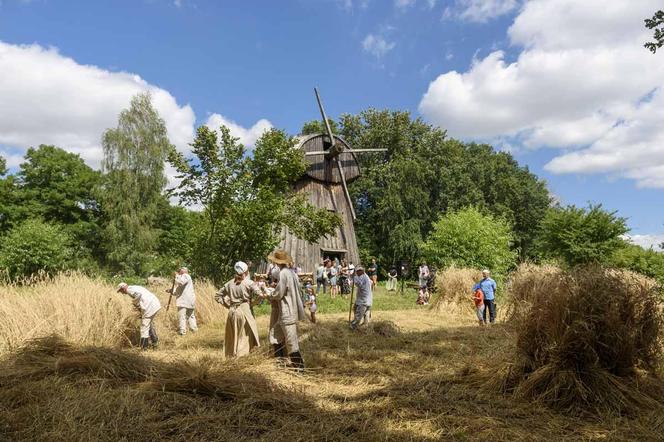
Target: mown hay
<point>455,288</point>
<point>591,343</point>
<point>527,284</point>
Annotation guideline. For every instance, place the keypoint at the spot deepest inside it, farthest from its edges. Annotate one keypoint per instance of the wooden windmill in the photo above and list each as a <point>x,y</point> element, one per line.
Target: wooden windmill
<point>332,164</point>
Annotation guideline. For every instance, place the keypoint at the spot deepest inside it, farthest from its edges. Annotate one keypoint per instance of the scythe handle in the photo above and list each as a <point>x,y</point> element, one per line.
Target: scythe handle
<point>170,295</point>
<point>352,292</point>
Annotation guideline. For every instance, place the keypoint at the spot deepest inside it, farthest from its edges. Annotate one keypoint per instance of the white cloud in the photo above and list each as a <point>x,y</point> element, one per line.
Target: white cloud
<point>478,11</point>
<point>376,45</point>
<point>582,82</point>
<point>646,241</point>
<point>47,98</point>
<point>247,136</point>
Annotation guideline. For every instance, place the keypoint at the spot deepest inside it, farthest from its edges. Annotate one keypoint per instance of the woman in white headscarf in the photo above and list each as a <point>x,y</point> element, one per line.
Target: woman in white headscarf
<point>241,330</point>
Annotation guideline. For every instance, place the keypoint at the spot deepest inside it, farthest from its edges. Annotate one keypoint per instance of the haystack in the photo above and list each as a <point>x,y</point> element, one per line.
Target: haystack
<point>455,288</point>
<point>527,284</point>
<point>590,344</point>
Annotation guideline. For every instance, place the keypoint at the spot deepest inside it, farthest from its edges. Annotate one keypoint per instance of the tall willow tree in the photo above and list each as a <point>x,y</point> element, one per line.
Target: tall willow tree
<point>134,156</point>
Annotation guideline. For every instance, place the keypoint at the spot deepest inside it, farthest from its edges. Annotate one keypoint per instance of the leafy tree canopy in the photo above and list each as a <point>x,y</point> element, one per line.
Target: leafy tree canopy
<point>424,174</point>
<point>470,238</point>
<point>134,156</point>
<point>656,23</point>
<point>246,201</point>
<point>582,235</point>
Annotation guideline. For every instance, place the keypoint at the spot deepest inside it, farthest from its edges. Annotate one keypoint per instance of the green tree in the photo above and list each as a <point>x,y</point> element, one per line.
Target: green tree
<point>134,156</point>
<point>246,201</point>
<point>656,23</point>
<point>59,185</point>
<point>579,236</point>
<point>10,206</point>
<point>647,262</point>
<point>33,247</point>
<point>470,238</point>
<point>424,174</point>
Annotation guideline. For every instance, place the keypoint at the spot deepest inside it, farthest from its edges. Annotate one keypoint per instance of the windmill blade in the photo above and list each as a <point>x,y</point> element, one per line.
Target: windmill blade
<point>345,186</point>
<point>322,114</point>
<point>363,150</point>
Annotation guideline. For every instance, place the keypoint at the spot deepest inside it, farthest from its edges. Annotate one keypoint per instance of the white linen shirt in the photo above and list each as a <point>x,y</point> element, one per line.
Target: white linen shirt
<point>145,300</point>
<point>184,291</point>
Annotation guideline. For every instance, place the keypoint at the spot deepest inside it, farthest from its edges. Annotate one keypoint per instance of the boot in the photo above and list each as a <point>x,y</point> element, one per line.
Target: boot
<point>144,343</point>
<point>296,361</point>
<point>278,351</point>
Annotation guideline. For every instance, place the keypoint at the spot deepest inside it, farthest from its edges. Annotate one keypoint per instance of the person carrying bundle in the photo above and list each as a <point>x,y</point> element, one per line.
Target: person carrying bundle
<point>185,302</point>
<point>148,304</point>
<point>241,330</point>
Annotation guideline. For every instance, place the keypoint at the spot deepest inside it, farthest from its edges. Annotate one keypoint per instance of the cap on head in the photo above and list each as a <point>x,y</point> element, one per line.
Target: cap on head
<point>183,269</point>
<point>485,272</point>
<point>122,286</point>
<point>241,268</point>
<point>359,269</point>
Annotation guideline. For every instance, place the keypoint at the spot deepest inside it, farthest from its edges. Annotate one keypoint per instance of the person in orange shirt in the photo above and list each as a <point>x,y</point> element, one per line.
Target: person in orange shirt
<point>478,298</point>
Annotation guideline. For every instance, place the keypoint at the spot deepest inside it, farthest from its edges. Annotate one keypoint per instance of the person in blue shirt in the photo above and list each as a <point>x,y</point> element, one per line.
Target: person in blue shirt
<point>488,287</point>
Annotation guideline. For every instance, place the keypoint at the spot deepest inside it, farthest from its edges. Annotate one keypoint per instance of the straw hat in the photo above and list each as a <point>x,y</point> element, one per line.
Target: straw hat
<point>280,257</point>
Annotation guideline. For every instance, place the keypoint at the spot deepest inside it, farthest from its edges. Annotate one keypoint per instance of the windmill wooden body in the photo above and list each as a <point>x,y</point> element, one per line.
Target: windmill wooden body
<point>332,164</point>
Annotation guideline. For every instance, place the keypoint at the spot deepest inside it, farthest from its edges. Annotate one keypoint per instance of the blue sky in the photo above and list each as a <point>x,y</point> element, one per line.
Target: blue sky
<point>487,70</point>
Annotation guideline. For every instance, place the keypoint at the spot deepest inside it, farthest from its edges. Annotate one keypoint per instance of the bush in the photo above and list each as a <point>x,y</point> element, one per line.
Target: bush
<point>469,238</point>
<point>581,236</point>
<point>590,342</point>
<point>637,259</point>
<point>35,247</point>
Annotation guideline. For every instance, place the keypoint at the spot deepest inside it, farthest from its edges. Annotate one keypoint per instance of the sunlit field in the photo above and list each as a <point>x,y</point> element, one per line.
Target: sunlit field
<point>69,372</point>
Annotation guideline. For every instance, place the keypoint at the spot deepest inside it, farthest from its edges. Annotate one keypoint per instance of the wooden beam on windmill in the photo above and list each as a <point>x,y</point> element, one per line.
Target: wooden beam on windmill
<point>336,149</point>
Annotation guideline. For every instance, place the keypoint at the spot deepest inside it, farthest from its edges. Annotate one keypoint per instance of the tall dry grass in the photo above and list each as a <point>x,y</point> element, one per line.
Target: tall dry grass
<point>454,286</point>
<point>86,311</point>
<point>589,340</point>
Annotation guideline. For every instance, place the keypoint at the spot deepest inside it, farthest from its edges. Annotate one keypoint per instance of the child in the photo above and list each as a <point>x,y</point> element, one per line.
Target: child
<point>478,298</point>
<point>423,296</point>
<point>311,302</point>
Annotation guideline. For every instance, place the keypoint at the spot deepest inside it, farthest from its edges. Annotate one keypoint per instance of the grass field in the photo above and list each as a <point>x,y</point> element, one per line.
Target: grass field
<point>415,374</point>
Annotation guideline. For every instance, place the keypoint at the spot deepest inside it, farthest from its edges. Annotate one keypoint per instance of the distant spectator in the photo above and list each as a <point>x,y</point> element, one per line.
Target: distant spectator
<point>392,280</point>
<point>320,278</point>
<point>332,273</point>
<point>372,272</point>
<point>423,273</point>
<point>488,287</point>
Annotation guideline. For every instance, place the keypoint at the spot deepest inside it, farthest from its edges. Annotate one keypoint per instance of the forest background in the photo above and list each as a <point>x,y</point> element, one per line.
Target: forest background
<point>427,198</point>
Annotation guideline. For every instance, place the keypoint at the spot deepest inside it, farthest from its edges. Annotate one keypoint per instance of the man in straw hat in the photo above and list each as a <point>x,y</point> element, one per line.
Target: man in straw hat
<point>185,300</point>
<point>241,329</point>
<point>287,309</point>
<point>148,304</point>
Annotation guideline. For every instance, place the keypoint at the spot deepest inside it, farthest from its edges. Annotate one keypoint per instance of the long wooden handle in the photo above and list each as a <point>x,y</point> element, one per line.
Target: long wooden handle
<point>350,309</point>
<point>170,295</point>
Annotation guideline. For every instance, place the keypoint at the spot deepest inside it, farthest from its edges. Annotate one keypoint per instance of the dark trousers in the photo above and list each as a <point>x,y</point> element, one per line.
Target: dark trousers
<point>320,283</point>
<point>490,305</point>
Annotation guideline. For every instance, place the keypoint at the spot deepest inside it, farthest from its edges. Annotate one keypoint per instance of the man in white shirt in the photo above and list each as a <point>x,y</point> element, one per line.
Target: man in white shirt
<point>185,300</point>
<point>148,304</point>
<point>364,299</point>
